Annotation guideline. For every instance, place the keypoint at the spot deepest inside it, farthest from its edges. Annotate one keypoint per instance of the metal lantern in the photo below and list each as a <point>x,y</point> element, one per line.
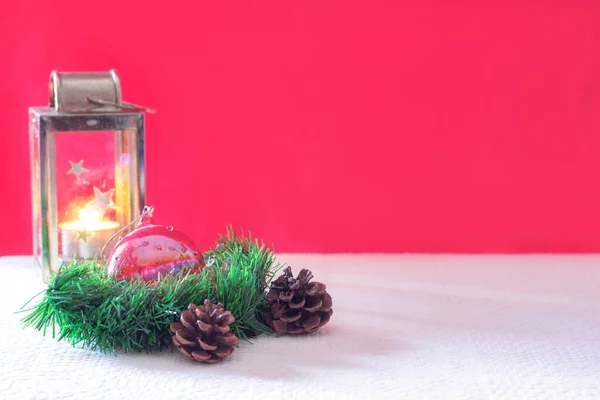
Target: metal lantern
<point>87,167</point>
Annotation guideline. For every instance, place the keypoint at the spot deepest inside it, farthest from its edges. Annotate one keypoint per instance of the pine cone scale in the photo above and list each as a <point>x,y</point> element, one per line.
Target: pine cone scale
<point>273,295</point>
<point>317,304</point>
<point>304,276</point>
<point>280,326</point>
<point>297,302</point>
<point>204,327</point>
<point>291,315</point>
<point>327,302</point>
<point>230,340</point>
<point>311,321</point>
<point>183,341</point>
<point>187,319</point>
<point>277,310</point>
<point>223,351</point>
<point>294,330</point>
<point>325,316</point>
<point>175,326</point>
<point>225,319</point>
<point>221,329</point>
<point>286,296</point>
<point>200,355</point>
<point>312,288</point>
<point>207,346</point>
<point>186,352</point>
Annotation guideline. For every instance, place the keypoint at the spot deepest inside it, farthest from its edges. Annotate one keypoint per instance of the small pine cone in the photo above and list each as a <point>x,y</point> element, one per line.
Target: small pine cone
<point>203,333</point>
<point>296,304</point>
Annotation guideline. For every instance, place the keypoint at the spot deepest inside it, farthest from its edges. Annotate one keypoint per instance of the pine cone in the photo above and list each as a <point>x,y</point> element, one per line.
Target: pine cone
<point>203,333</point>
<point>296,304</point>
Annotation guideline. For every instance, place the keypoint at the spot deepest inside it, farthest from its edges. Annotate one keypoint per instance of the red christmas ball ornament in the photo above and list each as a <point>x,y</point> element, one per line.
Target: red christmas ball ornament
<point>152,250</point>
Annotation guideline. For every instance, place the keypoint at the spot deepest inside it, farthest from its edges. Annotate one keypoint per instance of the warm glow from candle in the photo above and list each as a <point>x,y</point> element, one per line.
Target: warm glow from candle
<point>89,216</point>
<point>89,220</point>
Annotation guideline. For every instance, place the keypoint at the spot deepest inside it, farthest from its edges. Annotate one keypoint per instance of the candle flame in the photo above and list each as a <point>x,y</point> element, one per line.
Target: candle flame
<point>89,216</point>
<point>90,220</point>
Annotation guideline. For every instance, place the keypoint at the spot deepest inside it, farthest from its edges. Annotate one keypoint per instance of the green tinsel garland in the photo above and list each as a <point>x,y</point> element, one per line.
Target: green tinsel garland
<point>84,306</point>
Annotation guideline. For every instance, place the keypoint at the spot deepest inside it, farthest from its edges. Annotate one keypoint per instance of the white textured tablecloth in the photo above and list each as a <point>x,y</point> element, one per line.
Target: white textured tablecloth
<point>417,327</point>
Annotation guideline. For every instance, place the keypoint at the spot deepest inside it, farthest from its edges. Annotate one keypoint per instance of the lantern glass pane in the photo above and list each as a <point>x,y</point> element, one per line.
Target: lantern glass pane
<point>85,192</point>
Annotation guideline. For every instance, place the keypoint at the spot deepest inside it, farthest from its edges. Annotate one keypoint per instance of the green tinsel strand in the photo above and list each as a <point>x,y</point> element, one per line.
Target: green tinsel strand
<point>98,312</point>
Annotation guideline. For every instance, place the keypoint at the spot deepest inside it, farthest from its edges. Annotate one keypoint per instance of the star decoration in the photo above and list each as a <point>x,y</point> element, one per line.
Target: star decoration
<point>77,169</point>
<point>83,235</point>
<point>102,199</point>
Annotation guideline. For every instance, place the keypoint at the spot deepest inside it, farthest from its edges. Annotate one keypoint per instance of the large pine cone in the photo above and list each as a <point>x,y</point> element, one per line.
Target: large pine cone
<point>296,304</point>
<point>203,333</point>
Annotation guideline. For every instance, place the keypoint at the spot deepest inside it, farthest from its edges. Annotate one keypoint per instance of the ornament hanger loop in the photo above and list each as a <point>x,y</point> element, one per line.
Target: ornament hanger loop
<point>146,212</point>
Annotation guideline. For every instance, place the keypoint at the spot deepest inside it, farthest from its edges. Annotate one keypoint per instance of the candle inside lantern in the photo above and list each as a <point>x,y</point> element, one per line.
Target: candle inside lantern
<point>85,237</point>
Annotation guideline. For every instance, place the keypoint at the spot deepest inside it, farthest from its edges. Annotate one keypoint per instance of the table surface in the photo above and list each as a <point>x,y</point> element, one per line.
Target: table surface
<point>404,326</point>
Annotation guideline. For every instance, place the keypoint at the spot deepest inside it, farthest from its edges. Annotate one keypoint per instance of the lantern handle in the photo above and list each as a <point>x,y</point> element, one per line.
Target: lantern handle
<point>122,104</point>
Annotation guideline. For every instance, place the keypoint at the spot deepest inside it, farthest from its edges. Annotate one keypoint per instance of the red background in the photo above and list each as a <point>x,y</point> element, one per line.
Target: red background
<point>335,126</point>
